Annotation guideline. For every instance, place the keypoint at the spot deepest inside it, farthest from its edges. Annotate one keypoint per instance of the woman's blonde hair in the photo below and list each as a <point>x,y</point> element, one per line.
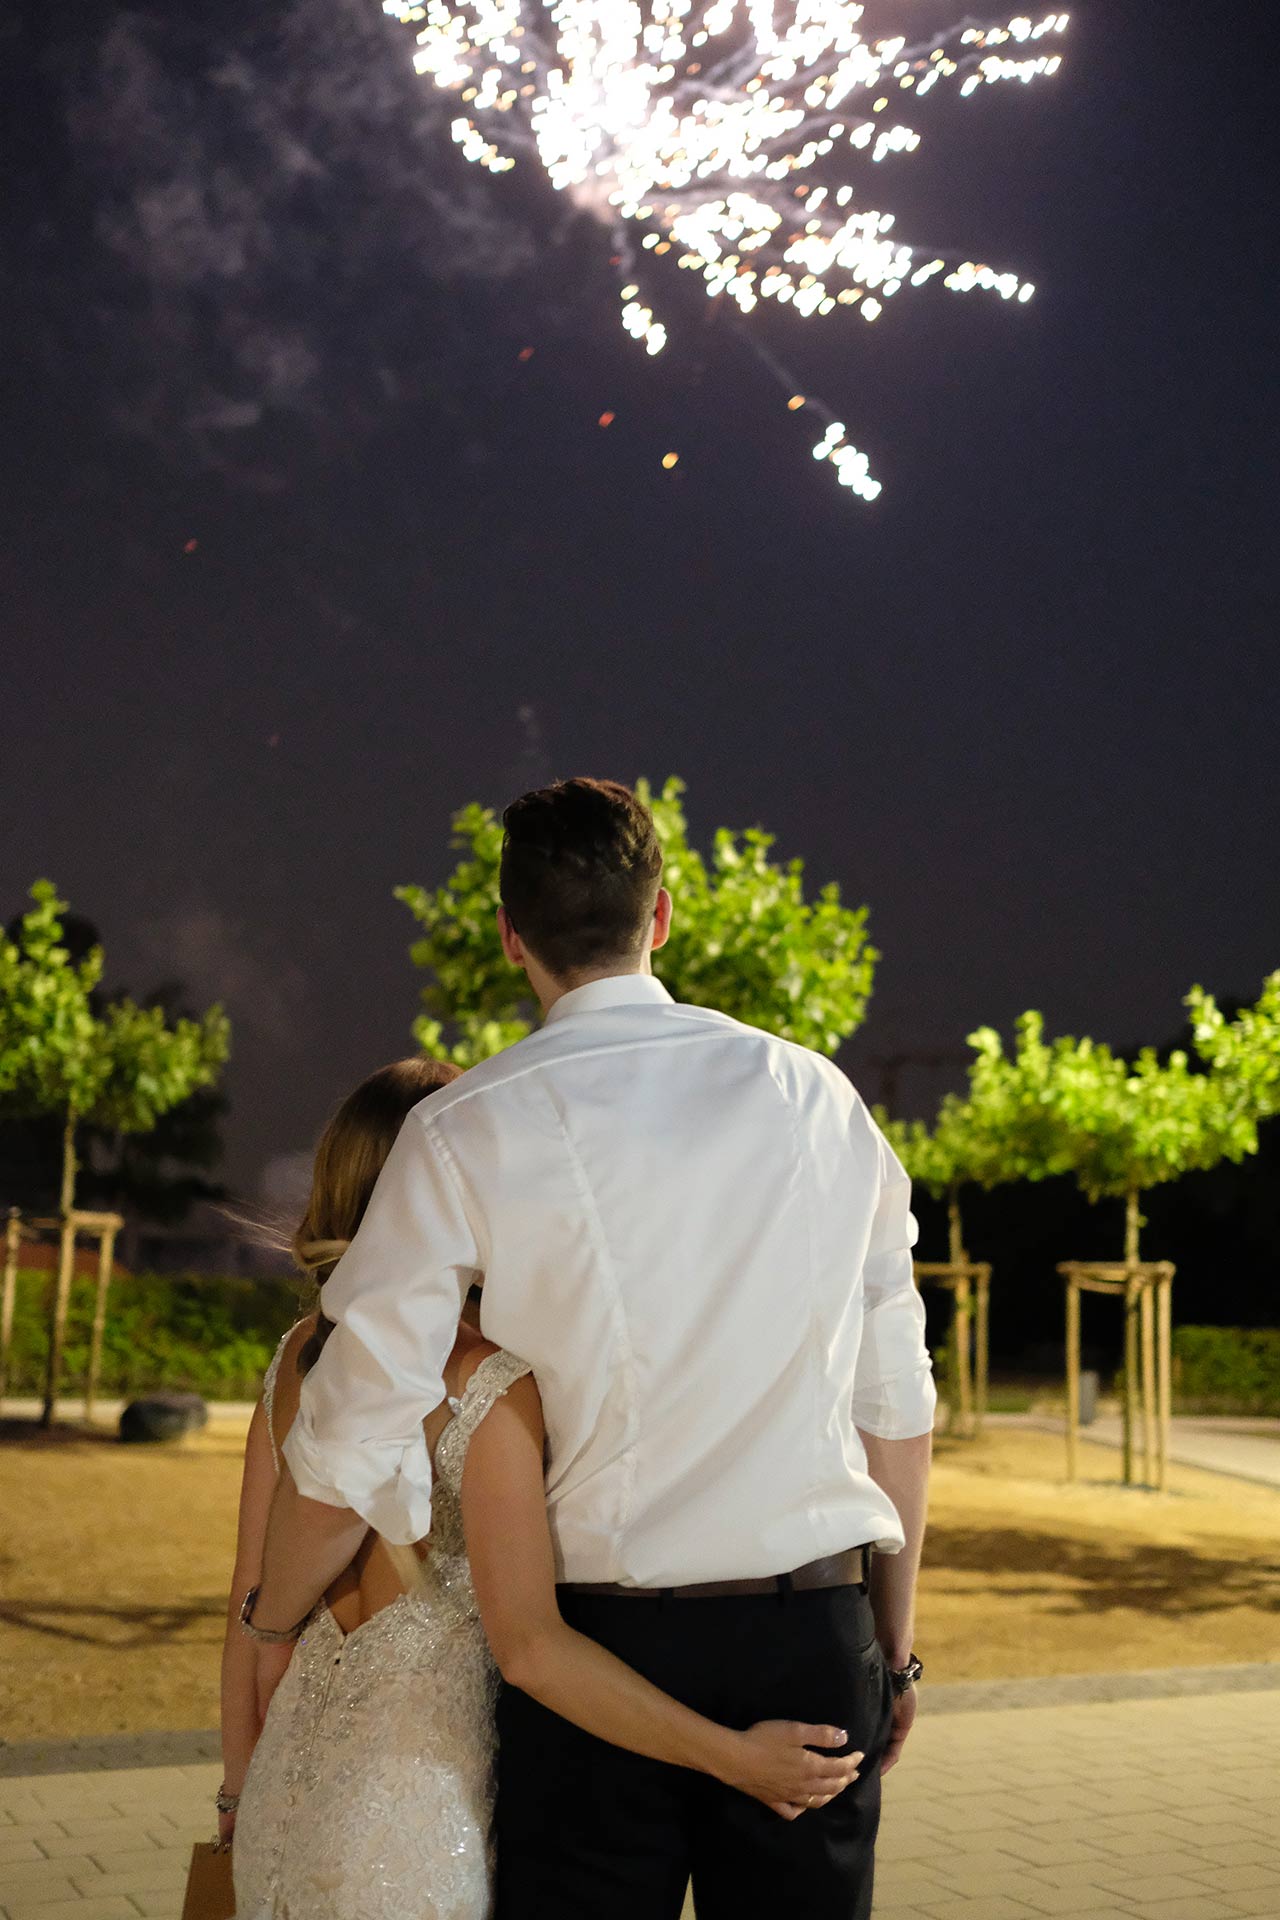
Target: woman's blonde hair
<point>351,1154</point>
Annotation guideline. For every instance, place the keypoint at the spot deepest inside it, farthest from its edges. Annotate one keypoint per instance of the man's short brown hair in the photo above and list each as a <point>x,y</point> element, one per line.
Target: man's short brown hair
<point>580,871</point>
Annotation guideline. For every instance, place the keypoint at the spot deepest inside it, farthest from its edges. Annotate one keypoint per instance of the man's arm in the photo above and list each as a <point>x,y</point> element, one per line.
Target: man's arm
<point>901,1469</point>
<point>893,1409</point>
<point>356,1451</point>
<point>308,1545</point>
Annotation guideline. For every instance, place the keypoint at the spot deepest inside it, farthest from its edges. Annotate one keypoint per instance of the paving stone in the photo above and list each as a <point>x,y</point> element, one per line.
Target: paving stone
<point>1066,1899</point>
<point>1261,1904</point>
<point>983,1908</point>
<point>1190,1907</point>
<point>1244,1878</point>
<point>19,1901</point>
<point>1121,1873</point>
<point>1244,1853</point>
<point>25,1876</point>
<point>147,1859</point>
<point>159,1879</point>
<point>12,1851</point>
<point>90,1909</point>
<point>1152,1889</point>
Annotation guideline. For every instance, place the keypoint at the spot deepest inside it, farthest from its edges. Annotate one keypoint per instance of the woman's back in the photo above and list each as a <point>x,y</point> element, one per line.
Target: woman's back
<point>370,1789</point>
<point>371,1582</point>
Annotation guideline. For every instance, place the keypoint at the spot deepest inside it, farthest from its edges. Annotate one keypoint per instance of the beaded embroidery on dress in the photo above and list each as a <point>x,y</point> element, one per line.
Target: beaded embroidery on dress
<point>370,1792</point>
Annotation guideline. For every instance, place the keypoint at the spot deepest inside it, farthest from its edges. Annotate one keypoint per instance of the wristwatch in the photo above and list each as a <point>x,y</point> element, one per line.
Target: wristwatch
<point>902,1679</point>
<point>268,1636</point>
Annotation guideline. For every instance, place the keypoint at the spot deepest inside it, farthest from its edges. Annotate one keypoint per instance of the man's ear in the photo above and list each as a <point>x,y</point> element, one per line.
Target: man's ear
<point>661,919</point>
<point>512,945</point>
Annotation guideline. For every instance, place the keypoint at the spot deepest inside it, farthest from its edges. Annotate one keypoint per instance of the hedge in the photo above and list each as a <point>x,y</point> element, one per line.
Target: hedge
<point>1227,1369</point>
<point>184,1331</point>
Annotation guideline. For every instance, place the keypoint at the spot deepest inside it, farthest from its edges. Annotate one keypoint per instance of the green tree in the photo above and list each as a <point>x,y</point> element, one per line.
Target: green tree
<point>1122,1127</point>
<point>118,1067</point>
<point>744,939</point>
<point>939,1159</point>
<point>1243,1053</point>
<point>1002,1130</point>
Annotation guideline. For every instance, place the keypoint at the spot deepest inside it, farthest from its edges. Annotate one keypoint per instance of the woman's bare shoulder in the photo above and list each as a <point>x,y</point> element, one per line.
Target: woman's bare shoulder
<point>289,1376</point>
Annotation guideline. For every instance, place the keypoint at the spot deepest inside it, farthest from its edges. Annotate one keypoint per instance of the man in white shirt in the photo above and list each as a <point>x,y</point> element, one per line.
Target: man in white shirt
<point>700,1240</point>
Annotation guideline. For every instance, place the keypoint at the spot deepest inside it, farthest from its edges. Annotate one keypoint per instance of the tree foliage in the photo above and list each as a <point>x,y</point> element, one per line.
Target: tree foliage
<point>1245,1052</point>
<point>118,1067</point>
<point>744,939</point>
<point>1121,1127</point>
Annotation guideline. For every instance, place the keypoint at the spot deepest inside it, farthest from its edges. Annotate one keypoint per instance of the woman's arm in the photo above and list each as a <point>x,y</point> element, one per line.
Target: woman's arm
<point>513,1566</point>
<point>240,1722</point>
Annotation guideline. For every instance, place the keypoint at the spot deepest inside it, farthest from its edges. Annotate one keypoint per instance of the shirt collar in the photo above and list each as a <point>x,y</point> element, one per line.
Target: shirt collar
<point>618,990</point>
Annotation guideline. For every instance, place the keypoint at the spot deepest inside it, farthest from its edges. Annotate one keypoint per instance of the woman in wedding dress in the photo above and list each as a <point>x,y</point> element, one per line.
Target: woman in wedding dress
<point>367,1793</point>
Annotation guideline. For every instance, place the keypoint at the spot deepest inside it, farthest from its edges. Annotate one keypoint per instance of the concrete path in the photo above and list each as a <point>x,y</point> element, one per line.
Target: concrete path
<point>1135,1797</point>
<point>1245,1449</point>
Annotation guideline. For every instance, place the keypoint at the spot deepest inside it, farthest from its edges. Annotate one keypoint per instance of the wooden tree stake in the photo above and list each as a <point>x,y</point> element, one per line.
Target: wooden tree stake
<point>1164,1357</point>
<point>58,1319</point>
<point>1148,1302</point>
<point>1073,1376</point>
<point>1146,1291</point>
<point>106,1251</point>
<point>982,1345</point>
<point>12,1246</point>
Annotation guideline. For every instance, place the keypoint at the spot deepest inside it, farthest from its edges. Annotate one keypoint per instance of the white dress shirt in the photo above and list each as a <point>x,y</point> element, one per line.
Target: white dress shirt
<point>699,1239</point>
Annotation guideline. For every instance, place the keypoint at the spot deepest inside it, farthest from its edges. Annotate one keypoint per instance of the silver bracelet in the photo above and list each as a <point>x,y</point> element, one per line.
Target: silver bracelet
<point>268,1636</point>
<point>226,1802</point>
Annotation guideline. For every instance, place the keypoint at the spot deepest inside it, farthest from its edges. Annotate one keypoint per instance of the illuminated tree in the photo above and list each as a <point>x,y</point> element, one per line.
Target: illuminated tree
<point>744,940</point>
<point>119,1066</point>
<point>1243,1053</point>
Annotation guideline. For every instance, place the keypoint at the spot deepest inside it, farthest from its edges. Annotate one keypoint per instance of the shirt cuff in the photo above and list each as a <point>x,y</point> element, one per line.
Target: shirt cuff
<point>387,1482</point>
<point>903,1411</point>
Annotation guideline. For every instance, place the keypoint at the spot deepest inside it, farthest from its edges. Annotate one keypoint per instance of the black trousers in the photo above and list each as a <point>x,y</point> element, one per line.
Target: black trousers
<point>586,1831</point>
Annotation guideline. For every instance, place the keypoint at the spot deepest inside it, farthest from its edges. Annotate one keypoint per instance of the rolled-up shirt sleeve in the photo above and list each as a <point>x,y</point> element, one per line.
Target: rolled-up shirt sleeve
<point>894,1395</point>
<point>395,1298</point>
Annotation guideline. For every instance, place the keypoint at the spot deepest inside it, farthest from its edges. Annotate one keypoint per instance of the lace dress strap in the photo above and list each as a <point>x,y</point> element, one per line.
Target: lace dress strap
<point>269,1394</point>
<point>496,1375</point>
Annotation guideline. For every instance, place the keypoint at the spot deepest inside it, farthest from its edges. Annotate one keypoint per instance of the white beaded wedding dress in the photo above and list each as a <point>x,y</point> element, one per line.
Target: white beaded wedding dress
<point>370,1792</point>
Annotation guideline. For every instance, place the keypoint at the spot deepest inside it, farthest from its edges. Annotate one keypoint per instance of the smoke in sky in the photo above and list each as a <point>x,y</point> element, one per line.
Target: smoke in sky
<point>277,227</point>
<point>218,959</point>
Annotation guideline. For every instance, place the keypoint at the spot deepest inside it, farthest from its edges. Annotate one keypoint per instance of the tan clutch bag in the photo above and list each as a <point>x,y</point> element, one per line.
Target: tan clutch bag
<point>210,1893</point>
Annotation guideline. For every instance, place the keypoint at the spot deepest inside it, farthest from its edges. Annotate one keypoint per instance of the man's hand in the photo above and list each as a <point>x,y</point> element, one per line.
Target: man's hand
<point>904,1714</point>
<point>270,1670</point>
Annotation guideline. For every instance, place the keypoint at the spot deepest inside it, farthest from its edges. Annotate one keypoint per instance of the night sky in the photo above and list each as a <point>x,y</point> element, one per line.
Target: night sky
<point>300,554</point>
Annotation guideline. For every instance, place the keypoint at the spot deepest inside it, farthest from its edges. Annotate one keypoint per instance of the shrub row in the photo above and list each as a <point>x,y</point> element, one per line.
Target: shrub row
<point>1227,1369</point>
<point>184,1331</point>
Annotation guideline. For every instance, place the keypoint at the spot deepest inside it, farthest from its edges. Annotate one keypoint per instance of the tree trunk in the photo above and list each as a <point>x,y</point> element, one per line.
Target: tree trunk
<point>954,1226</point>
<point>1132,1225</point>
<point>106,1252</point>
<point>961,1343</point>
<point>61,1298</point>
<point>70,1166</point>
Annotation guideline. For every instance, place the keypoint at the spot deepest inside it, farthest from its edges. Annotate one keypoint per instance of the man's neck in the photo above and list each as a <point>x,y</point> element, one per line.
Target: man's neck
<point>549,989</point>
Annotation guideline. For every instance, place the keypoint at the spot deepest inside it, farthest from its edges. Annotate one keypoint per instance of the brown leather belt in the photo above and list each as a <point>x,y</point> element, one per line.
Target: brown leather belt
<point>849,1569</point>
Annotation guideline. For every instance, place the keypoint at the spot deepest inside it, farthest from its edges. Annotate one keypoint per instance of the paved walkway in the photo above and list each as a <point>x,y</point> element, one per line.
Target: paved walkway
<point>1136,1797</point>
<point>1245,1449</point>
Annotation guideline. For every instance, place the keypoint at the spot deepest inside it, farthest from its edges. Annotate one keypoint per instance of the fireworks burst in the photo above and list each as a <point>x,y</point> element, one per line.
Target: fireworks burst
<point>713,131</point>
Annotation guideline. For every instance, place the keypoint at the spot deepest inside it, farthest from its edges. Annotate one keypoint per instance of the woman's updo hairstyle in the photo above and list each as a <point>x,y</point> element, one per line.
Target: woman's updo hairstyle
<point>351,1155</point>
